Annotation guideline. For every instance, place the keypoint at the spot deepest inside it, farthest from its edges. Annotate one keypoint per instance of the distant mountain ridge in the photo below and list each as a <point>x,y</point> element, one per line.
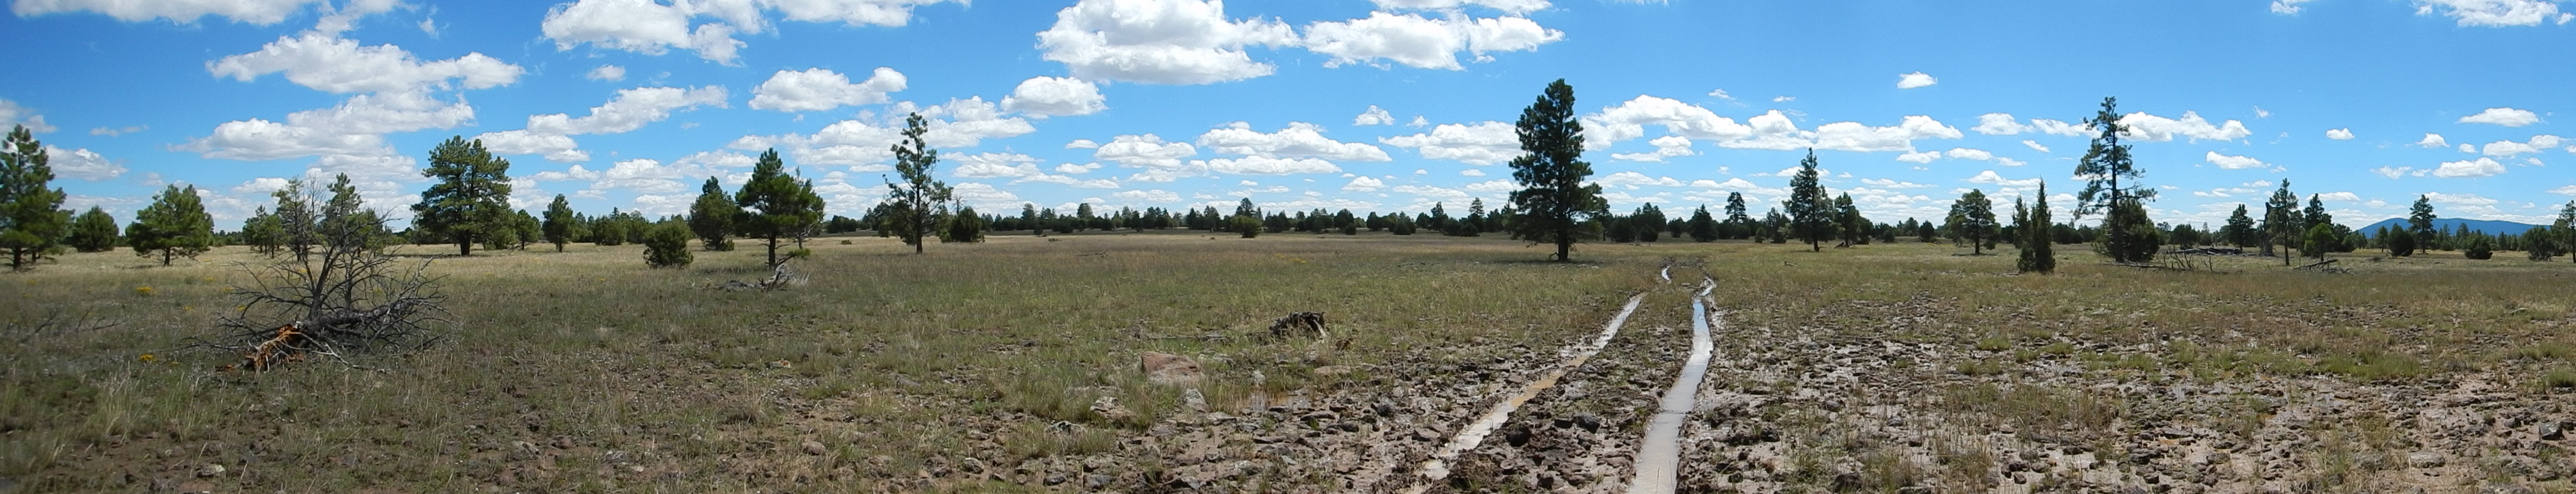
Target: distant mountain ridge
<point>2490,227</point>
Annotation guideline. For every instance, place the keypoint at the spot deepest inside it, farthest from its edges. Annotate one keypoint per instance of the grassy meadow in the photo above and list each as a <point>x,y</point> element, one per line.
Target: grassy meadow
<point>584,371</point>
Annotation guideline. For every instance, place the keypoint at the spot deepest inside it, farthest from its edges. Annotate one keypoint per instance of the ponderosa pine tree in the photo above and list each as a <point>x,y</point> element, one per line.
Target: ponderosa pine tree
<point>711,217</point>
<point>918,200</point>
<point>1972,218</point>
<point>1811,214</point>
<point>2105,163</point>
<point>470,195</point>
<point>2419,220</point>
<point>2240,230</point>
<point>175,225</point>
<point>775,205</point>
<point>2566,228</point>
<point>1739,222</point>
<point>559,222</point>
<point>32,220</point>
<point>1553,201</point>
<point>2320,239</point>
<point>95,231</point>
<point>1848,221</point>
<point>1703,228</point>
<point>2281,221</point>
<point>965,226</point>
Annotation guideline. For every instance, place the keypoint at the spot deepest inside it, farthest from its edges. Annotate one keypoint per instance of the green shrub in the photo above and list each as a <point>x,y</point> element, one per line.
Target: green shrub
<point>667,246</point>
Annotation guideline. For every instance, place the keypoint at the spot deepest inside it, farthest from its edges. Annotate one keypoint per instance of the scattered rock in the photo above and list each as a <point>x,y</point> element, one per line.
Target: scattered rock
<point>1107,407</point>
<point>210,470</point>
<point>2425,459</point>
<point>814,448</point>
<point>1171,370</point>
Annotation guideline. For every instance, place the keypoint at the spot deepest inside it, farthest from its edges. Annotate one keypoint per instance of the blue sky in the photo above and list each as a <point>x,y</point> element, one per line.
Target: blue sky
<point>1370,105</point>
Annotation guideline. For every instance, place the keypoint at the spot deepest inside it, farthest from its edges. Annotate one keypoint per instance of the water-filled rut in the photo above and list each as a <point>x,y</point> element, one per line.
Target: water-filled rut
<point>1659,456</point>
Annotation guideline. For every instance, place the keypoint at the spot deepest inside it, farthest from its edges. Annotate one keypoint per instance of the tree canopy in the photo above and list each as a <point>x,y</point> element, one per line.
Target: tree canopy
<point>469,197</point>
<point>1553,201</point>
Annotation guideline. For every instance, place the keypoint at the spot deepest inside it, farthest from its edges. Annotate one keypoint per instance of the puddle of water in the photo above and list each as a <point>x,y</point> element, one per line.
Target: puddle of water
<point>1437,467</point>
<point>1659,458</point>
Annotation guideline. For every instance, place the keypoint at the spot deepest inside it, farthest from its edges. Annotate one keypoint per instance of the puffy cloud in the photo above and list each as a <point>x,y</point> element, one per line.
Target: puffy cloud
<point>631,109</point>
<point>2432,140</point>
<point>1374,116</point>
<point>2287,7</point>
<point>1511,6</point>
<point>556,147</point>
<point>2000,124</point>
<point>1665,147</point>
<point>1627,120</point>
<point>1915,80</point>
<point>1082,144</point>
<point>1145,150</point>
<point>2339,196</point>
<point>984,196</point>
<point>1097,183</point>
<point>550,134</point>
<point>1854,136</point>
<point>1364,184</point>
<point>2234,162</point>
<point>2508,149</point>
<point>2482,167</point>
<point>2509,117</point>
<point>967,122</point>
<point>2492,13</point>
<point>996,165</point>
<point>1891,183</point>
<point>260,12</point>
<point>1969,154</point>
<point>1153,196</point>
<point>2035,145</point>
<point>1264,165</point>
<point>1431,193</point>
<point>1298,140</point>
<point>1073,169</point>
<point>2396,171</point>
<point>818,89</point>
<point>1159,41</point>
<point>331,64</point>
<point>1632,180</point>
<point>13,115</point>
<point>2566,190</point>
<point>1919,157</point>
<point>1481,143</point>
<point>865,144</point>
<point>356,127</point>
<point>1990,177</point>
<point>82,164</point>
<point>1421,42</point>
<point>1055,96</point>
<point>2145,127</point>
<point>2057,128</point>
<point>610,73</point>
<point>2344,134</point>
<point>648,27</point>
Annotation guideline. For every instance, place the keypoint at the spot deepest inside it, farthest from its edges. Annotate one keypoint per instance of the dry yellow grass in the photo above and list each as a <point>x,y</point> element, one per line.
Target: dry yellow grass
<point>620,378</point>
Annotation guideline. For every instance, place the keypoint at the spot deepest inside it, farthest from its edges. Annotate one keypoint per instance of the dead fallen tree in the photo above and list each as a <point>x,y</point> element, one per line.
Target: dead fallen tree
<point>2325,266</point>
<point>333,293</point>
<point>1307,322</point>
<point>779,277</point>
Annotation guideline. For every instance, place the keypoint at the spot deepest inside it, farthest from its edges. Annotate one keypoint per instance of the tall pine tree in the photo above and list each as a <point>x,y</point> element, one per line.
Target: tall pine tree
<point>32,220</point>
<point>1972,217</point>
<point>918,199</point>
<point>175,225</point>
<point>2105,163</point>
<point>1553,201</point>
<point>470,197</point>
<point>1811,214</point>
<point>711,217</point>
<point>2281,221</point>
<point>559,222</point>
<point>95,231</point>
<point>2037,253</point>
<point>775,205</point>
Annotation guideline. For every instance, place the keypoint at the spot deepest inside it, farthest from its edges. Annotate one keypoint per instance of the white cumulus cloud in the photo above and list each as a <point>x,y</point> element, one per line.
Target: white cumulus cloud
<point>1298,140</point>
<point>2509,117</point>
<point>2339,134</point>
<point>2492,13</point>
<point>1374,116</point>
<point>2481,167</point>
<point>1416,41</point>
<point>1481,143</point>
<point>1915,80</point>
<point>818,89</point>
<point>2191,126</point>
<point>1145,150</point>
<point>1056,96</point>
<point>332,64</point>
<point>260,12</point>
<point>1665,147</point>
<point>1159,41</point>
<point>606,73</point>
<point>2234,162</point>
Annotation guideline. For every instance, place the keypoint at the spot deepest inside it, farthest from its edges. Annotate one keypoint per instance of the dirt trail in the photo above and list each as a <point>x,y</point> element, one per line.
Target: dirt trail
<point>1659,458</point>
